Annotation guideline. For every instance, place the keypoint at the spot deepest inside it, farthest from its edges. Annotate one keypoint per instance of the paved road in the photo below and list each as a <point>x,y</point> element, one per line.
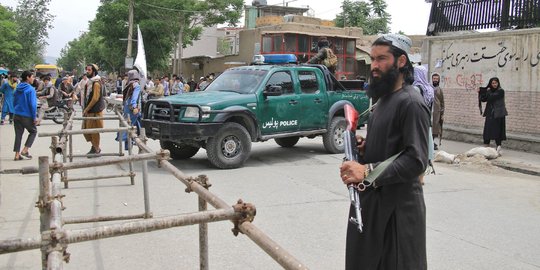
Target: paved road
<point>478,216</point>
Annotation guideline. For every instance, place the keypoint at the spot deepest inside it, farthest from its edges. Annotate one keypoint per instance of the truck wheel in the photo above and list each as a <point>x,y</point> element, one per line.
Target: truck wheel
<point>178,150</point>
<point>287,142</point>
<point>333,138</point>
<point>230,148</point>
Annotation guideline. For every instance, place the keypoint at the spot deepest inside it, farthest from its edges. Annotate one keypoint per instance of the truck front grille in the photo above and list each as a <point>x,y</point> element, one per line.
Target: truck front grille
<point>162,111</point>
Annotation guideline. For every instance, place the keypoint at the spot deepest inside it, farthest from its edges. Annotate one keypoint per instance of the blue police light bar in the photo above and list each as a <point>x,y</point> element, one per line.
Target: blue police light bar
<point>275,59</point>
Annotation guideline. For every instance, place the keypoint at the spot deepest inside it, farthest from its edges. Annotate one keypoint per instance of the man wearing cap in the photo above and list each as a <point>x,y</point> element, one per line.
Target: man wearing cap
<point>94,104</point>
<point>66,89</point>
<point>132,98</point>
<point>393,208</point>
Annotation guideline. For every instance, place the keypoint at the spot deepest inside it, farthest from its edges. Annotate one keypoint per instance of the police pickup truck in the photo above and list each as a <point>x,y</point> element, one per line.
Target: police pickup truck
<point>251,104</point>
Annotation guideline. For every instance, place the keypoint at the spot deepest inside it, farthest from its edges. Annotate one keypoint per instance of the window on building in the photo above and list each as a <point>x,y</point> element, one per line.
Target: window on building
<point>351,47</point>
<point>283,79</point>
<point>267,44</point>
<point>350,63</point>
<point>303,44</point>
<point>290,43</point>
<point>337,45</point>
<point>308,82</point>
<point>278,41</point>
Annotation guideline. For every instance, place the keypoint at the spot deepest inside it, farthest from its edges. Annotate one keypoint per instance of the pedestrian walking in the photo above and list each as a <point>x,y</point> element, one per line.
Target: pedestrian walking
<point>393,208</point>
<point>495,113</point>
<point>94,104</point>
<point>8,90</point>
<point>25,115</point>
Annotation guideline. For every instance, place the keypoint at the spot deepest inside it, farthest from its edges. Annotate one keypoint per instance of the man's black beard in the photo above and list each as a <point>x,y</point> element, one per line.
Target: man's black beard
<point>381,86</point>
<point>435,84</point>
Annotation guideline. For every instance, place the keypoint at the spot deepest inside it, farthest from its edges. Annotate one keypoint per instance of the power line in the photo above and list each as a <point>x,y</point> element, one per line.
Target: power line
<point>172,9</point>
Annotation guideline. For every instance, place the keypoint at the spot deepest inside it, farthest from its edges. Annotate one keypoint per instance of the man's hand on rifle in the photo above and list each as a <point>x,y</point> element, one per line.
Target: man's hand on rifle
<point>352,172</point>
<point>361,144</point>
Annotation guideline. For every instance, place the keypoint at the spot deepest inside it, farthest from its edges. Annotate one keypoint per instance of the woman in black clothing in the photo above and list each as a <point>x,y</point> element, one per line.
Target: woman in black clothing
<point>495,113</point>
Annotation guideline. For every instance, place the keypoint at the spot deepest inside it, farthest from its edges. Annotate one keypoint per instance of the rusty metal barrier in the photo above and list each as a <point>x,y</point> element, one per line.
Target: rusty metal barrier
<point>54,238</point>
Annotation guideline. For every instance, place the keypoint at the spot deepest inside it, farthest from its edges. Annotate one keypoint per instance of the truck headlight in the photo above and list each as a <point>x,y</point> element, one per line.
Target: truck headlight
<point>193,112</point>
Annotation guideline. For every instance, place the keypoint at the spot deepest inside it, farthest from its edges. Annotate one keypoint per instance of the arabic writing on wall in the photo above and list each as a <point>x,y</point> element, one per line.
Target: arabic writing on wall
<point>454,57</point>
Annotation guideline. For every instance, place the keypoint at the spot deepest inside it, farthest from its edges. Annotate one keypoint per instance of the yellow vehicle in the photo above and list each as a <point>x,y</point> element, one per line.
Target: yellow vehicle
<point>46,69</point>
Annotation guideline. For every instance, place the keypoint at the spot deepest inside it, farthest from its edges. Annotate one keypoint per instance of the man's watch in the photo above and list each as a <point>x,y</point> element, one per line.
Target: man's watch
<point>367,169</point>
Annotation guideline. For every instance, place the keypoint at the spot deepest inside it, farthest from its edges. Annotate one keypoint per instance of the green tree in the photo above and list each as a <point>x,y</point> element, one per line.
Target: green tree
<point>88,48</point>
<point>160,22</point>
<point>34,21</point>
<point>9,44</point>
<point>370,16</point>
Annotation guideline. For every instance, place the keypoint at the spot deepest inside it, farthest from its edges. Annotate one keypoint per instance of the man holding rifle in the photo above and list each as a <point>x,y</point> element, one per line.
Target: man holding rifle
<point>393,212</point>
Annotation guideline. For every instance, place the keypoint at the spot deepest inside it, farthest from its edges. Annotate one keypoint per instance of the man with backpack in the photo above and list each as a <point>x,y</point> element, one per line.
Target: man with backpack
<point>325,56</point>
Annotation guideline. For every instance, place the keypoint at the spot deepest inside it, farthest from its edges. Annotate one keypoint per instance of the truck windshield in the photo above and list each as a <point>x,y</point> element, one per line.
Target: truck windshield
<point>243,81</point>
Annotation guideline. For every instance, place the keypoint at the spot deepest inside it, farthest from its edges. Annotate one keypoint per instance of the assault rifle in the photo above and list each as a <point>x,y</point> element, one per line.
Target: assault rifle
<point>351,154</point>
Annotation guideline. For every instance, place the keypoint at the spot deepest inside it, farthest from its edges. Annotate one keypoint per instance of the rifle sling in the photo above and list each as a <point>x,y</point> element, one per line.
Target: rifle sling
<point>374,174</point>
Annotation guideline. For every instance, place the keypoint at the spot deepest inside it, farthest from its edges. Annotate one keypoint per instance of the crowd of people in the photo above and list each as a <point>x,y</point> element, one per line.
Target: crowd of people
<point>163,86</point>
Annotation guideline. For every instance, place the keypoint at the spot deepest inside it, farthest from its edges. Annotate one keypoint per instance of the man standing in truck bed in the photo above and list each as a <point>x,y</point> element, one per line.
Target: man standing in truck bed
<point>393,209</point>
<point>325,56</point>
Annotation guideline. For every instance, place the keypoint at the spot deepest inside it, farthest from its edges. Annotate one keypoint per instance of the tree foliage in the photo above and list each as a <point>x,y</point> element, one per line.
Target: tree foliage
<point>33,20</point>
<point>160,21</point>
<point>9,44</point>
<point>370,16</point>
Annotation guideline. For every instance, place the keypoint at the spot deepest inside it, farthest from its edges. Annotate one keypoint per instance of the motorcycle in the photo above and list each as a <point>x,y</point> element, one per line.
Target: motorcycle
<point>57,112</point>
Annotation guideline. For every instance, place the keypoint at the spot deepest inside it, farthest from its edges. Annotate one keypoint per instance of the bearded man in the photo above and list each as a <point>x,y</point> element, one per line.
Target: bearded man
<point>94,104</point>
<point>393,208</point>
<point>438,108</point>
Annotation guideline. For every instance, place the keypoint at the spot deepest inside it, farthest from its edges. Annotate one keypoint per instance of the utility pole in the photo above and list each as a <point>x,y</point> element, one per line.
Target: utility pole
<point>177,60</point>
<point>129,58</point>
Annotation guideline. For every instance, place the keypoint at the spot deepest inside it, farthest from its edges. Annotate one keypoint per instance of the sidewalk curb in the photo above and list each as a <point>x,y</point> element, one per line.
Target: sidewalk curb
<point>519,142</point>
<point>520,168</point>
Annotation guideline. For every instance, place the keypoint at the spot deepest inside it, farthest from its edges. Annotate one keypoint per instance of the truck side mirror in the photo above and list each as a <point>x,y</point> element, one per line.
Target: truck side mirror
<point>272,91</point>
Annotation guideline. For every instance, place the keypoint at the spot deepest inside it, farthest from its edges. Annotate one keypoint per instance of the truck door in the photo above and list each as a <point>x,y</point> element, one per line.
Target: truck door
<point>279,114</point>
<point>314,101</point>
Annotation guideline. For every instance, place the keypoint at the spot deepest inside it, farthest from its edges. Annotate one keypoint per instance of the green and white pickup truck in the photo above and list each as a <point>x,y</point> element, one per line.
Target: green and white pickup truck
<point>251,104</point>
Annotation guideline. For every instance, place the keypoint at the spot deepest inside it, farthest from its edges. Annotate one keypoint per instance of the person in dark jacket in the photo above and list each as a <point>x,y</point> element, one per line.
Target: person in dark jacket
<point>323,52</point>
<point>495,113</point>
<point>25,112</point>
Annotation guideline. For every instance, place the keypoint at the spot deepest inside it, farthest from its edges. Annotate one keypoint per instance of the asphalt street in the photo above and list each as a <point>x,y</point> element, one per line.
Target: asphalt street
<point>479,216</point>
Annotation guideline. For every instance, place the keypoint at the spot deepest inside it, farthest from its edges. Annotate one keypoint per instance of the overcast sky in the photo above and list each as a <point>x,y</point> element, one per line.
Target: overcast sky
<point>72,16</point>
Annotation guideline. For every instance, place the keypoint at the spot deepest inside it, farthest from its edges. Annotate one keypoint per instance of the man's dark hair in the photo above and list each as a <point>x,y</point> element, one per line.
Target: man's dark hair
<point>323,42</point>
<point>94,69</point>
<point>47,78</point>
<point>408,69</point>
<point>25,75</point>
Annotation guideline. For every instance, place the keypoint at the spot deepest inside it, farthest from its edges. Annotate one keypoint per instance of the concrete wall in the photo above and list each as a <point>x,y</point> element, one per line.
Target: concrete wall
<point>468,61</point>
<point>206,45</point>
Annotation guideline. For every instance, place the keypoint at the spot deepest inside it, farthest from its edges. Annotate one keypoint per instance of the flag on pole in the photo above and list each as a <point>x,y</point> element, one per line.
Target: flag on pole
<point>140,60</point>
